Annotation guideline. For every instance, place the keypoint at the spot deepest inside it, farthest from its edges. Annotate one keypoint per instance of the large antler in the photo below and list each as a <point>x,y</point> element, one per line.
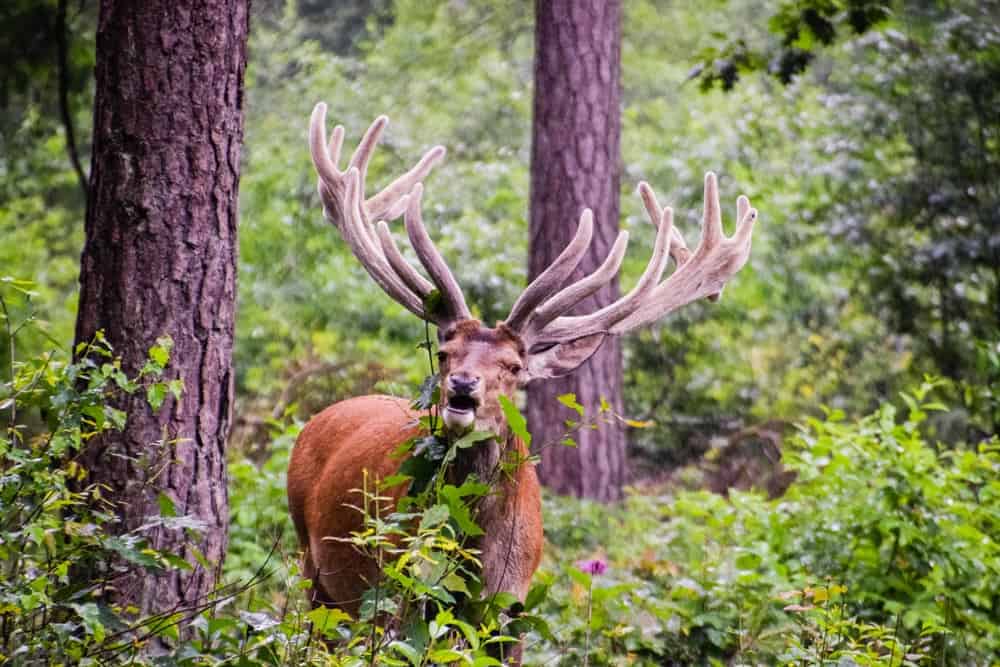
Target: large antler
<point>539,316</point>
<point>344,204</point>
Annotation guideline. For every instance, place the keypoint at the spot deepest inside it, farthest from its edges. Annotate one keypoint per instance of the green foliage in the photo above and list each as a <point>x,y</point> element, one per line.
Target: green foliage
<point>926,224</point>
<point>55,525</point>
<point>885,545</point>
<point>258,508</point>
<point>41,216</point>
<point>799,29</point>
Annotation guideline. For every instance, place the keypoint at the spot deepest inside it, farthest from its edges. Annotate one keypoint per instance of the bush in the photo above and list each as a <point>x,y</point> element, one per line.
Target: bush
<point>885,546</point>
<point>882,552</point>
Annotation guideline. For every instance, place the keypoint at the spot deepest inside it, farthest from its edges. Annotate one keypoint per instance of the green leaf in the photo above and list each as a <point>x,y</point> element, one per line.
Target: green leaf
<point>155,394</point>
<point>434,516</point>
<point>446,655</point>
<point>326,619</point>
<point>175,561</point>
<point>176,387</point>
<point>408,652</point>
<point>429,393</point>
<point>116,417</point>
<point>459,508</point>
<point>160,352</point>
<point>90,615</point>
<point>199,556</point>
<point>393,480</point>
<point>456,583</point>
<point>486,661</point>
<point>421,470</point>
<point>536,596</point>
<point>569,400</point>
<point>538,624</point>
<point>469,439</point>
<point>166,503</point>
<point>430,447</point>
<point>515,420</point>
<point>748,561</point>
<point>469,632</point>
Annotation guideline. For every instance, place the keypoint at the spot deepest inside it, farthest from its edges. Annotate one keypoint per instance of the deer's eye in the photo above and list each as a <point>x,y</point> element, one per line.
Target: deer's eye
<point>513,369</point>
<point>442,357</point>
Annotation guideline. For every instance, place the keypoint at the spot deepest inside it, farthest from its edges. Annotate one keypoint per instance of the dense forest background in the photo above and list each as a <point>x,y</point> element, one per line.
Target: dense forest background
<point>875,275</point>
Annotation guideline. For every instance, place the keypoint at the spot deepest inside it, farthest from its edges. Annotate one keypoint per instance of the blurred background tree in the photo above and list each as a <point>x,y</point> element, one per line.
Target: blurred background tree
<point>575,165</point>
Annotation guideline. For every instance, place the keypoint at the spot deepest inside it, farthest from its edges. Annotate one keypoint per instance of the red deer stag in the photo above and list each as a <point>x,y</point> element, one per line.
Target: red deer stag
<point>477,363</point>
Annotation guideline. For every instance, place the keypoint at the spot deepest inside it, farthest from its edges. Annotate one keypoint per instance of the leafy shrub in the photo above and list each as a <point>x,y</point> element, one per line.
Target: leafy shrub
<point>58,546</point>
<point>885,546</point>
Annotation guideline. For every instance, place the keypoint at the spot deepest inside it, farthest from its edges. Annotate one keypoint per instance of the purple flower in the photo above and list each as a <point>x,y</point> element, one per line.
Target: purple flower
<point>593,566</point>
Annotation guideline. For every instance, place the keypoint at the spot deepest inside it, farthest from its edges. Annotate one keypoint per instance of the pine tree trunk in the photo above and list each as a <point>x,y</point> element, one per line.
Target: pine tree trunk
<point>574,165</point>
<point>160,259</point>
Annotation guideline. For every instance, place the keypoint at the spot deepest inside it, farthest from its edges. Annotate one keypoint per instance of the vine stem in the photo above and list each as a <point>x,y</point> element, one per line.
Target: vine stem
<point>432,411</point>
<point>590,615</point>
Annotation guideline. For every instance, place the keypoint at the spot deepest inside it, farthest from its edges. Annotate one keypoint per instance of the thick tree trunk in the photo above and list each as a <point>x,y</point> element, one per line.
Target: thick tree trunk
<point>160,258</point>
<point>574,165</point>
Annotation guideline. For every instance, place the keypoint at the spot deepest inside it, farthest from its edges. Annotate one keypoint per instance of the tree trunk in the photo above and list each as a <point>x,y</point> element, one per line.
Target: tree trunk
<point>574,165</point>
<point>160,259</point>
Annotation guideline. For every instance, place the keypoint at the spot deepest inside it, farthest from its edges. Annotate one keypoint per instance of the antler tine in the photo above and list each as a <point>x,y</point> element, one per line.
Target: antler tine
<point>326,166</point>
<point>699,274</point>
<point>336,141</point>
<point>711,226</point>
<point>429,256</point>
<point>603,319</point>
<point>366,147</point>
<point>416,282</point>
<point>553,277</point>
<point>714,262</point>
<point>342,193</point>
<point>369,254</point>
<point>678,248</point>
<point>572,294</point>
<point>391,200</point>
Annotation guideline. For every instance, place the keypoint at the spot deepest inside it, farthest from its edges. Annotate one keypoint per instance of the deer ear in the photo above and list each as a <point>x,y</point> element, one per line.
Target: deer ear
<point>563,358</point>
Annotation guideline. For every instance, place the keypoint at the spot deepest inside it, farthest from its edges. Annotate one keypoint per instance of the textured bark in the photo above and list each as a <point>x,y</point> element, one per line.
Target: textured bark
<point>574,165</point>
<point>160,258</point>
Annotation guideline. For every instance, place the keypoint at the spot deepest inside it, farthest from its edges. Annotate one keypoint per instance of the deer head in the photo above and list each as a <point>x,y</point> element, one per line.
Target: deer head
<point>537,339</point>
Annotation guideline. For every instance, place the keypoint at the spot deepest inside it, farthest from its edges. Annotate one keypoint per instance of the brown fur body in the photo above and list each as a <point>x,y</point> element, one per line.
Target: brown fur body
<point>329,461</point>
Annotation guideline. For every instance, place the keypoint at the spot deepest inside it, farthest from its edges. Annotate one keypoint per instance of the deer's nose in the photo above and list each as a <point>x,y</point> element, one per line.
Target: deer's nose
<point>461,383</point>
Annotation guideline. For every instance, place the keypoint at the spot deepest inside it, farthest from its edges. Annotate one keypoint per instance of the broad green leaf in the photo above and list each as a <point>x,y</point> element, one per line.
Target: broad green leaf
<point>155,394</point>
<point>470,439</point>
<point>515,420</point>
<point>166,504</point>
<point>434,516</point>
<point>326,619</point>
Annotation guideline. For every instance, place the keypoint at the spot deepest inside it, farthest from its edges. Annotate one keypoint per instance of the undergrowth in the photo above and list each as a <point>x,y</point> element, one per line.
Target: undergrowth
<point>883,552</point>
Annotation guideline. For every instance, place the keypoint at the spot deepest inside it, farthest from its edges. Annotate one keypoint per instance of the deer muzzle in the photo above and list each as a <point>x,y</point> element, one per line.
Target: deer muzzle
<point>463,398</point>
